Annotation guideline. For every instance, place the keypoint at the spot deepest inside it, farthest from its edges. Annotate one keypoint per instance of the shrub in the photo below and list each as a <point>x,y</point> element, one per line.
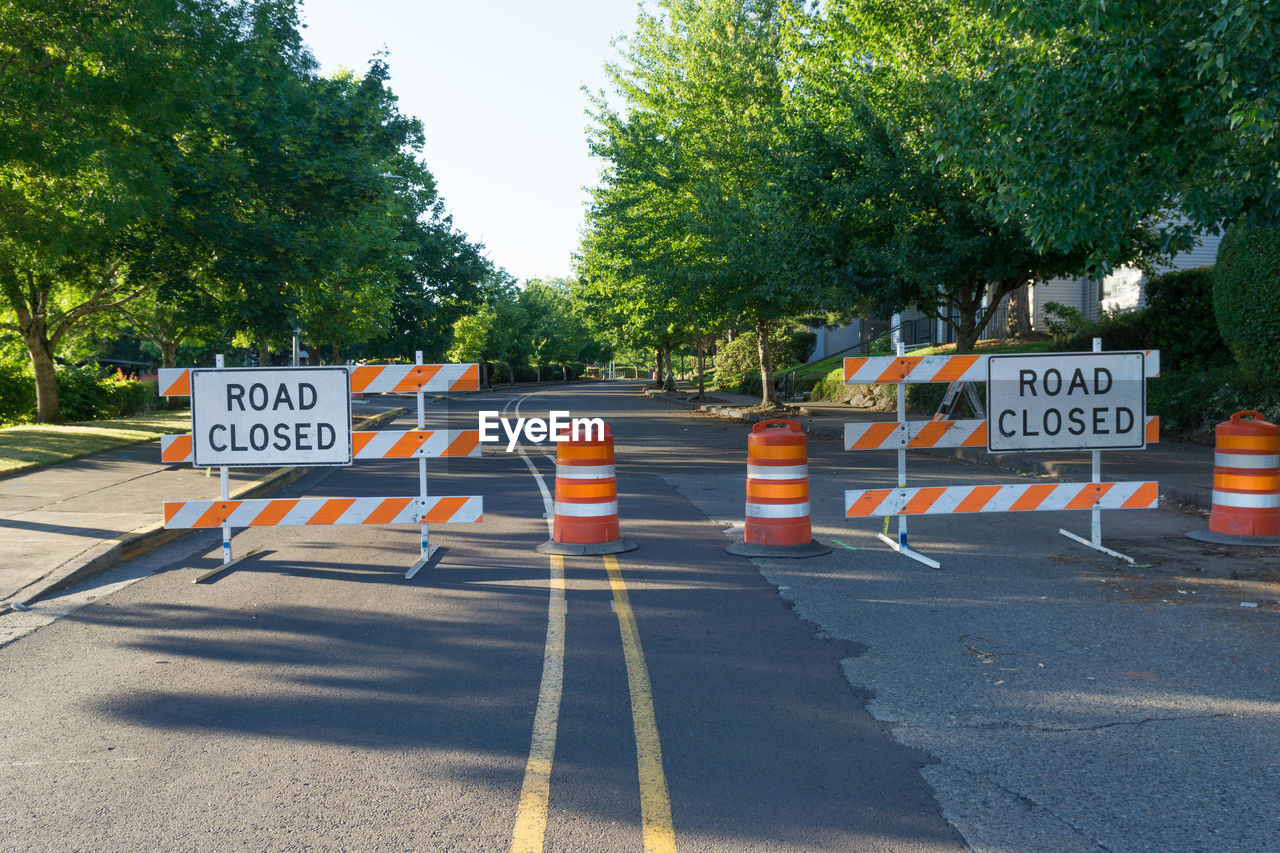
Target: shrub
<point>1246,297</point>
<point>85,395</point>
<point>829,387</point>
<point>80,396</point>
<point>749,383</point>
<point>736,357</point>
<point>123,397</point>
<point>17,394</point>
<point>1180,320</point>
<point>1119,331</point>
<point>740,355</point>
<point>1063,321</point>
<point>1194,401</point>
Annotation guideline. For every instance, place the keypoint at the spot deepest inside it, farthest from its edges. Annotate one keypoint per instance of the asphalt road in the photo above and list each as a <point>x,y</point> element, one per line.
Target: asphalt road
<point>312,698</point>
<point>1030,696</point>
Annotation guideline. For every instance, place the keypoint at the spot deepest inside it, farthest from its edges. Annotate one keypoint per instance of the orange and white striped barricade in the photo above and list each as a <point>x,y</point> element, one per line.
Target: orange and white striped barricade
<point>367,444</point>
<point>941,500</point>
<point>903,435</point>
<point>300,512</point>
<point>586,499</point>
<point>366,379</point>
<point>777,511</point>
<point>260,442</point>
<point>1246,483</point>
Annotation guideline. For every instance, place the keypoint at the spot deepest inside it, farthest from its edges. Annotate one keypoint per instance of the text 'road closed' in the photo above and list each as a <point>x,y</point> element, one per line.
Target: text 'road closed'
<point>271,416</point>
<point>1084,401</point>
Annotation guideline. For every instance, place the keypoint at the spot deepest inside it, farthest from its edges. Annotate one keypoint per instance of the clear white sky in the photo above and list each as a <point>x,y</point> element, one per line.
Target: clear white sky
<point>497,85</point>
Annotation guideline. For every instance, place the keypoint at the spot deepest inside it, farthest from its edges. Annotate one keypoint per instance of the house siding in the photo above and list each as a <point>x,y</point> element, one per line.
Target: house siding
<point>1125,289</point>
<point>1078,293</point>
<point>833,339</point>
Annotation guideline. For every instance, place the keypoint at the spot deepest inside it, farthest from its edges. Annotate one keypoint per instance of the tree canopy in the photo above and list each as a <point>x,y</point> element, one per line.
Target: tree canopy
<point>184,160</point>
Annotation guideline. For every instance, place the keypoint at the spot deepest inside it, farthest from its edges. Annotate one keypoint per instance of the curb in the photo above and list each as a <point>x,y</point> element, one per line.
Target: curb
<point>737,414</point>
<point>143,540</point>
<point>1201,498</point>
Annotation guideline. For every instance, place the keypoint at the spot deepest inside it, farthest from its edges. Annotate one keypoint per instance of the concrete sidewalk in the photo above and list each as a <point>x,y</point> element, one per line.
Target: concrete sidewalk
<point>1184,471</point>
<point>65,522</point>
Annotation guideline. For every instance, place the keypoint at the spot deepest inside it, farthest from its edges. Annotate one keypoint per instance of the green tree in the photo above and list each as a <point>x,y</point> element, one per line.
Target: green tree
<point>1088,120</point>
<point>706,87</point>
<point>94,97</point>
<point>899,226</point>
<point>473,340</point>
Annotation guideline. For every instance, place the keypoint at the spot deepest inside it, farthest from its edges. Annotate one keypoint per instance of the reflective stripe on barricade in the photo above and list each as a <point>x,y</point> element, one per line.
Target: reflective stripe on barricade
<point>371,444</point>
<point>886,369</point>
<point>365,379</point>
<point>915,435</point>
<point>322,511</point>
<point>937,500</point>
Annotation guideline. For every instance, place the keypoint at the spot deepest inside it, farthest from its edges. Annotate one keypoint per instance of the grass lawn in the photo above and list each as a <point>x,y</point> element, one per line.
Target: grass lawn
<point>23,447</point>
<point>994,346</point>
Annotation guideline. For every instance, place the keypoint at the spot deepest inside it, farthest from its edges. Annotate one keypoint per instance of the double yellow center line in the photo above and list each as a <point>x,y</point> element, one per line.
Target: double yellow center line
<point>655,804</point>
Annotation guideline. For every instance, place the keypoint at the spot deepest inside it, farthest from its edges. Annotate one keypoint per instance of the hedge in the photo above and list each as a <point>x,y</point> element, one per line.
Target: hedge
<point>1180,321</point>
<point>1194,401</point>
<point>1246,297</point>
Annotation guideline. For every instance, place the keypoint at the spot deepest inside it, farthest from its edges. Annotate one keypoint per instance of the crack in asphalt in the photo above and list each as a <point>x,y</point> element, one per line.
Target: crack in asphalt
<point>1031,805</point>
<point>1032,727</point>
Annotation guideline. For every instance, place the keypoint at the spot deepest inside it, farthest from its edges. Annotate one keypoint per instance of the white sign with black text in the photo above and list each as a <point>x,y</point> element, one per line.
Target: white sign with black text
<point>271,416</point>
<point>1076,401</point>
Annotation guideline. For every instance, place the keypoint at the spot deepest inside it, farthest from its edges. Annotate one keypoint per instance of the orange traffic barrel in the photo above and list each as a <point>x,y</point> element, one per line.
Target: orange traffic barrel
<point>586,503</point>
<point>777,517</point>
<point>1246,482</point>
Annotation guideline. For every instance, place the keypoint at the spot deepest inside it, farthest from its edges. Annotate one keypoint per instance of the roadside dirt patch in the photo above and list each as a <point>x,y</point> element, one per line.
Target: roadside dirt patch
<point>1174,555</point>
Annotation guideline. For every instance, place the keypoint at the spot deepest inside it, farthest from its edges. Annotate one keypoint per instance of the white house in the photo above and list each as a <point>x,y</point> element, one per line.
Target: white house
<point>1123,290</point>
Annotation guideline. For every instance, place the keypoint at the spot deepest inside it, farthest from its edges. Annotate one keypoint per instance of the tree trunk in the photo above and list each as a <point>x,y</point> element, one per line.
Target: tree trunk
<point>336,353</point>
<point>48,409</point>
<point>702,387</point>
<point>1019,325</point>
<point>968,304</point>
<point>768,396</point>
<point>264,355</point>
<point>669,379</point>
<point>564,373</point>
<point>537,373</point>
<point>511,372</point>
<point>484,373</point>
<point>168,353</point>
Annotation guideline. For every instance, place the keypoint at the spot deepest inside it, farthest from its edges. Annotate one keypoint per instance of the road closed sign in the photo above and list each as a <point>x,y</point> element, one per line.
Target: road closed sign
<point>271,416</point>
<point>1077,401</point>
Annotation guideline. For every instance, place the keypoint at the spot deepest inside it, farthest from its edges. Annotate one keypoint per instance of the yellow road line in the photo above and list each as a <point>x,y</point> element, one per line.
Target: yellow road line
<point>655,803</point>
<point>535,793</point>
